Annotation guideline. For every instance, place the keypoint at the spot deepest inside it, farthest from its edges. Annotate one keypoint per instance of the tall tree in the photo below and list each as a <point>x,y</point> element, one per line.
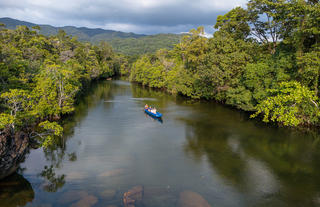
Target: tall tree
<point>266,21</point>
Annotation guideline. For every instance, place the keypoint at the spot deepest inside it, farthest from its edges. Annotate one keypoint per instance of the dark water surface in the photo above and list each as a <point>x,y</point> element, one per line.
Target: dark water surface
<point>110,146</point>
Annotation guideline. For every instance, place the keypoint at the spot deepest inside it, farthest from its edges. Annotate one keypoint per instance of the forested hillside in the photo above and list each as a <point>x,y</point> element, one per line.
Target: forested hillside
<point>41,76</point>
<point>264,58</point>
<point>122,42</point>
<point>144,45</point>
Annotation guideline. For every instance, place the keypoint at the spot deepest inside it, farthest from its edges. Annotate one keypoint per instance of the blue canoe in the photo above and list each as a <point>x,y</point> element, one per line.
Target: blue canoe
<point>157,115</point>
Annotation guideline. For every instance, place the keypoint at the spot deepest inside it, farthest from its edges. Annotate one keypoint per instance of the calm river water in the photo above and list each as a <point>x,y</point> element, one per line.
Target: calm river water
<point>215,153</point>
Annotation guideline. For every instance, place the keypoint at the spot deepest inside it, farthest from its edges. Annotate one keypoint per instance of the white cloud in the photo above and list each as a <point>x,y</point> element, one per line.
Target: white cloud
<point>140,16</point>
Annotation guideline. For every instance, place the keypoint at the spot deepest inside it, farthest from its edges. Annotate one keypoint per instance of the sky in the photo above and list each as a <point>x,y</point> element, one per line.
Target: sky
<point>138,16</point>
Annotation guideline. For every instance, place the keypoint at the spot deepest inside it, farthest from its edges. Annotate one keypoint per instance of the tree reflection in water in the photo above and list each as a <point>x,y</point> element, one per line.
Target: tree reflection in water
<point>268,163</point>
<point>15,191</point>
<point>52,181</point>
<point>56,153</point>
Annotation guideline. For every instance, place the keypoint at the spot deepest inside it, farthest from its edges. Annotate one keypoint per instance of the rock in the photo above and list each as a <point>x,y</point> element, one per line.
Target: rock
<point>110,173</point>
<point>13,149</point>
<point>133,196</point>
<point>155,191</point>
<point>192,199</point>
<point>72,196</point>
<point>108,194</point>
<point>87,201</point>
<point>159,196</point>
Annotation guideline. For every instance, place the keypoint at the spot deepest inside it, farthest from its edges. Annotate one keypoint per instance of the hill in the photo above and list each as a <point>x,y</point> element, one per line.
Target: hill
<point>122,42</point>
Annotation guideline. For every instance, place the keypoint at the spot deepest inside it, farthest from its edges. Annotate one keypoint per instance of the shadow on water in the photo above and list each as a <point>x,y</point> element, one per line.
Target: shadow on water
<point>244,161</point>
<point>15,191</point>
<point>52,181</point>
<point>274,166</point>
<point>154,118</point>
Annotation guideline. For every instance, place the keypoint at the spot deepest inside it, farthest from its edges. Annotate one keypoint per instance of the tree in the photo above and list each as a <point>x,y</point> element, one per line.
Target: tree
<point>302,27</point>
<point>266,21</point>
<point>56,89</point>
<point>235,23</point>
<point>225,62</point>
<point>291,104</point>
<point>192,48</point>
<point>18,103</point>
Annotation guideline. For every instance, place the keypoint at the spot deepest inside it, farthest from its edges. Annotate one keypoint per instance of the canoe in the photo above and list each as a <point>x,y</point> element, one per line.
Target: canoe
<point>158,115</point>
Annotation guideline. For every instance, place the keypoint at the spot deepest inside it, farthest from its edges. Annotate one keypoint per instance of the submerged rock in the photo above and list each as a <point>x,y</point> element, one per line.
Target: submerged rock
<point>149,196</point>
<point>87,201</point>
<point>192,199</point>
<point>134,196</point>
<point>159,196</point>
<point>110,173</point>
<point>12,151</point>
<point>72,196</point>
<point>108,194</point>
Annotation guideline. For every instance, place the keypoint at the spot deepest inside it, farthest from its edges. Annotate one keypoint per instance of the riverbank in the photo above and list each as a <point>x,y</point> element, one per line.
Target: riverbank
<point>274,74</point>
<point>243,78</point>
<point>110,147</point>
<point>41,78</point>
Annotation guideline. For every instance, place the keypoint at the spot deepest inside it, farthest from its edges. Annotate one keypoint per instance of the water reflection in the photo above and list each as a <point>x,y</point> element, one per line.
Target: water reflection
<point>153,118</point>
<point>52,181</point>
<point>15,191</point>
<point>272,166</point>
<point>203,149</point>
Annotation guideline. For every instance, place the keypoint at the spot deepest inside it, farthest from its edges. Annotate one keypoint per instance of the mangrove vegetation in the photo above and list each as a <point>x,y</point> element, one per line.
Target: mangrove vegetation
<point>264,59</point>
<point>42,76</point>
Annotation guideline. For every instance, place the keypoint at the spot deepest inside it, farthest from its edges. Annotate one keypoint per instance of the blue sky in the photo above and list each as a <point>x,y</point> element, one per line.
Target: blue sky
<point>139,16</point>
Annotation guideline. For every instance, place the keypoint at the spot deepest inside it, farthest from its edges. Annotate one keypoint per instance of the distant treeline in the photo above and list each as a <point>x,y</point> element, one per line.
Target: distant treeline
<point>41,76</point>
<point>144,45</point>
<point>122,42</point>
<point>264,59</point>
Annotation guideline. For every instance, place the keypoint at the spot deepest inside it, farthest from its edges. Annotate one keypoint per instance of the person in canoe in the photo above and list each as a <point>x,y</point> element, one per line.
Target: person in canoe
<point>150,109</point>
<point>154,110</point>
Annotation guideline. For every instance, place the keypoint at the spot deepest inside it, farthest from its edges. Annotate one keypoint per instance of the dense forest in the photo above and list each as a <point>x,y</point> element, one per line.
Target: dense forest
<point>126,43</point>
<point>42,76</point>
<point>143,45</point>
<point>264,59</point>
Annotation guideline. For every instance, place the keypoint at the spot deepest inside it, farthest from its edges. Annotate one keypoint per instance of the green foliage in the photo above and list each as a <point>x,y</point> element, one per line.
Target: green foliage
<point>50,129</point>
<point>235,23</point>
<point>18,106</point>
<point>290,104</point>
<point>263,58</point>
<point>193,48</point>
<point>41,76</point>
<point>309,69</point>
<point>125,43</point>
<point>145,44</point>
<point>6,120</point>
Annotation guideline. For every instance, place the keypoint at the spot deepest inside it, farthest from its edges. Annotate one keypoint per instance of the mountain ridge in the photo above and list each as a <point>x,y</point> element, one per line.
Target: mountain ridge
<point>128,43</point>
<point>13,23</point>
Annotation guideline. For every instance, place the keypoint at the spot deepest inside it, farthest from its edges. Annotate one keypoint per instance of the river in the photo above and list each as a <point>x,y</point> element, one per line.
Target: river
<point>215,153</point>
